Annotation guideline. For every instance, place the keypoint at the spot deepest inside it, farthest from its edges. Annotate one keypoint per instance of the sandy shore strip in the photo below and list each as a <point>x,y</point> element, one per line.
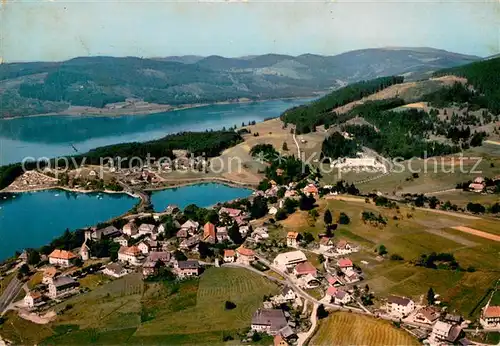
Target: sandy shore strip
<point>477,233</point>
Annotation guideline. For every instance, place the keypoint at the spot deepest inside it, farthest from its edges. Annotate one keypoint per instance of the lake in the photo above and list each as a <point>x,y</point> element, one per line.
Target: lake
<point>52,136</point>
<point>33,219</point>
<point>203,195</point>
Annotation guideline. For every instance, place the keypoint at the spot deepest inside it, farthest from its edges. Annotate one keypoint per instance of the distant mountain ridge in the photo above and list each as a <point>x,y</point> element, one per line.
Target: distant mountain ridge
<point>43,87</point>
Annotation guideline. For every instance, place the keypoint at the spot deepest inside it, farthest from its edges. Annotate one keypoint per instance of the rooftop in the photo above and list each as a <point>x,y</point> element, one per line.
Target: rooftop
<point>62,254</point>
<point>492,311</point>
<point>189,264</point>
<point>403,301</point>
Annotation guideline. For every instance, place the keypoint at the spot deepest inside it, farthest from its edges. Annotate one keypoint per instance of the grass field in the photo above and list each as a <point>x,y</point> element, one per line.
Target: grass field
<point>416,232</point>
<point>342,328</point>
<point>128,311</point>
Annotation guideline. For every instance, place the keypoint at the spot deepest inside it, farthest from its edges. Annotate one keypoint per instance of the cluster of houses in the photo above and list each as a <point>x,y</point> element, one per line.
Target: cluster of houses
<point>54,286</point>
<point>446,328</point>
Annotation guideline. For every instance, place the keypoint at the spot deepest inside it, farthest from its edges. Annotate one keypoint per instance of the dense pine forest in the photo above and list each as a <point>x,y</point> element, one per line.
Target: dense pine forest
<point>307,117</point>
<point>483,76</point>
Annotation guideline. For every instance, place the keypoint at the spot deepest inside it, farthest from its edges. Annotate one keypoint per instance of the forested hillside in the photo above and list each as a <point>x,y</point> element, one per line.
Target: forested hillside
<point>307,117</point>
<point>43,87</point>
<point>483,76</point>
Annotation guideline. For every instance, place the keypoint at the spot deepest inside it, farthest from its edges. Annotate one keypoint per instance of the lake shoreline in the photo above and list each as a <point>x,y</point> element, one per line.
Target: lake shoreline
<point>155,108</point>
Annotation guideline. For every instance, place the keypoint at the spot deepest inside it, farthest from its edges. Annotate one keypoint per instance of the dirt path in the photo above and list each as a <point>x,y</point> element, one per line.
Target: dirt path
<point>477,233</point>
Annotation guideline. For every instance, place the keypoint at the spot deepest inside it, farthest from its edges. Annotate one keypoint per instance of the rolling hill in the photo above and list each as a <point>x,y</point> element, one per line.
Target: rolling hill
<point>46,87</point>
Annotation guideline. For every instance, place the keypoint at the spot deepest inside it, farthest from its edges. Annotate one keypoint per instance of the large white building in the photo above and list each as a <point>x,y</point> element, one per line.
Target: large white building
<point>62,258</point>
<point>288,260</point>
<point>361,163</point>
<point>400,306</point>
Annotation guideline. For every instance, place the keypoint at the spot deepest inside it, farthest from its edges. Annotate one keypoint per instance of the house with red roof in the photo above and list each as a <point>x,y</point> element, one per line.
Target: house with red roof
<point>331,291</point>
<point>209,235</point>
<point>244,255</point>
<point>305,268</point>
<point>345,263</point>
<point>131,255</point>
<point>229,256</point>
<point>334,280</point>
<point>62,258</point>
<point>311,189</point>
<point>231,212</point>
<point>291,239</point>
<point>32,299</point>
<point>490,318</point>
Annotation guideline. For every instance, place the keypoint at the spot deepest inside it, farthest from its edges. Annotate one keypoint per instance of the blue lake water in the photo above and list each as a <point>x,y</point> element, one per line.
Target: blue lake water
<point>33,219</point>
<point>203,195</point>
<point>52,136</point>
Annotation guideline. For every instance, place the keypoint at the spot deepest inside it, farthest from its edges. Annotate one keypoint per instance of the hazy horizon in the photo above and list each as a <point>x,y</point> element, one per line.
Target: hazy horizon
<point>56,31</point>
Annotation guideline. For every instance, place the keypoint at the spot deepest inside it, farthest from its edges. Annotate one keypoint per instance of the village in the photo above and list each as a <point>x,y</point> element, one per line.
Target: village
<point>233,239</point>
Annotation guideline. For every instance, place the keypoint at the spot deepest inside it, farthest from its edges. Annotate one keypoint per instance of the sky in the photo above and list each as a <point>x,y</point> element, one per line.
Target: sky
<point>55,30</point>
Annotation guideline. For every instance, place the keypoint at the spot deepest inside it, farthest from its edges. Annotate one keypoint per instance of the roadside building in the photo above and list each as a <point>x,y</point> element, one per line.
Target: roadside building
<point>62,286</point>
<point>426,315</point>
<point>490,317</point>
<point>268,321</point>
<point>244,256</point>
<point>62,258</point>
<point>305,268</point>
<point>33,299</point>
<point>341,297</point>
<point>443,332</point>
<point>229,256</point>
<point>400,306</point>
<point>185,269</point>
<point>289,260</point>
<point>115,270</point>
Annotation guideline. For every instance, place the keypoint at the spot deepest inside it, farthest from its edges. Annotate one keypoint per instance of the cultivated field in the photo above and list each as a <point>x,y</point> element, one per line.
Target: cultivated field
<point>130,311</point>
<point>343,328</point>
<point>415,232</point>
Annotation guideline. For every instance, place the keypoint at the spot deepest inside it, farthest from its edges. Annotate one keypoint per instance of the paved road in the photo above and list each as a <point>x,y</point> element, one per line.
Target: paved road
<point>10,294</point>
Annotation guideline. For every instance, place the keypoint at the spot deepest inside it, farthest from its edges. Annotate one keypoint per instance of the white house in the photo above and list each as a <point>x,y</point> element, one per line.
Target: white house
<point>288,260</point>
<point>229,256</point>
<point>32,299</point>
<point>190,226</point>
<point>443,332</point>
<point>131,255</point>
<point>490,317</point>
<point>115,270</point>
<point>291,239</point>
<point>144,247</point>
<point>273,211</point>
<point>146,228</point>
<point>426,315</point>
<point>325,244</point>
<point>48,275</point>
<point>85,252</point>
<point>286,295</point>
<point>62,286</point>
<point>343,248</point>
<point>62,258</point>
<point>400,306</point>
<point>341,297</point>
<point>130,229</point>
<point>268,321</point>
<point>121,240</point>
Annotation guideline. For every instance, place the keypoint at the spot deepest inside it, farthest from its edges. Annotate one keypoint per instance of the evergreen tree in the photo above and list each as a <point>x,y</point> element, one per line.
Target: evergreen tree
<point>430,296</point>
<point>328,217</point>
<point>234,234</point>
